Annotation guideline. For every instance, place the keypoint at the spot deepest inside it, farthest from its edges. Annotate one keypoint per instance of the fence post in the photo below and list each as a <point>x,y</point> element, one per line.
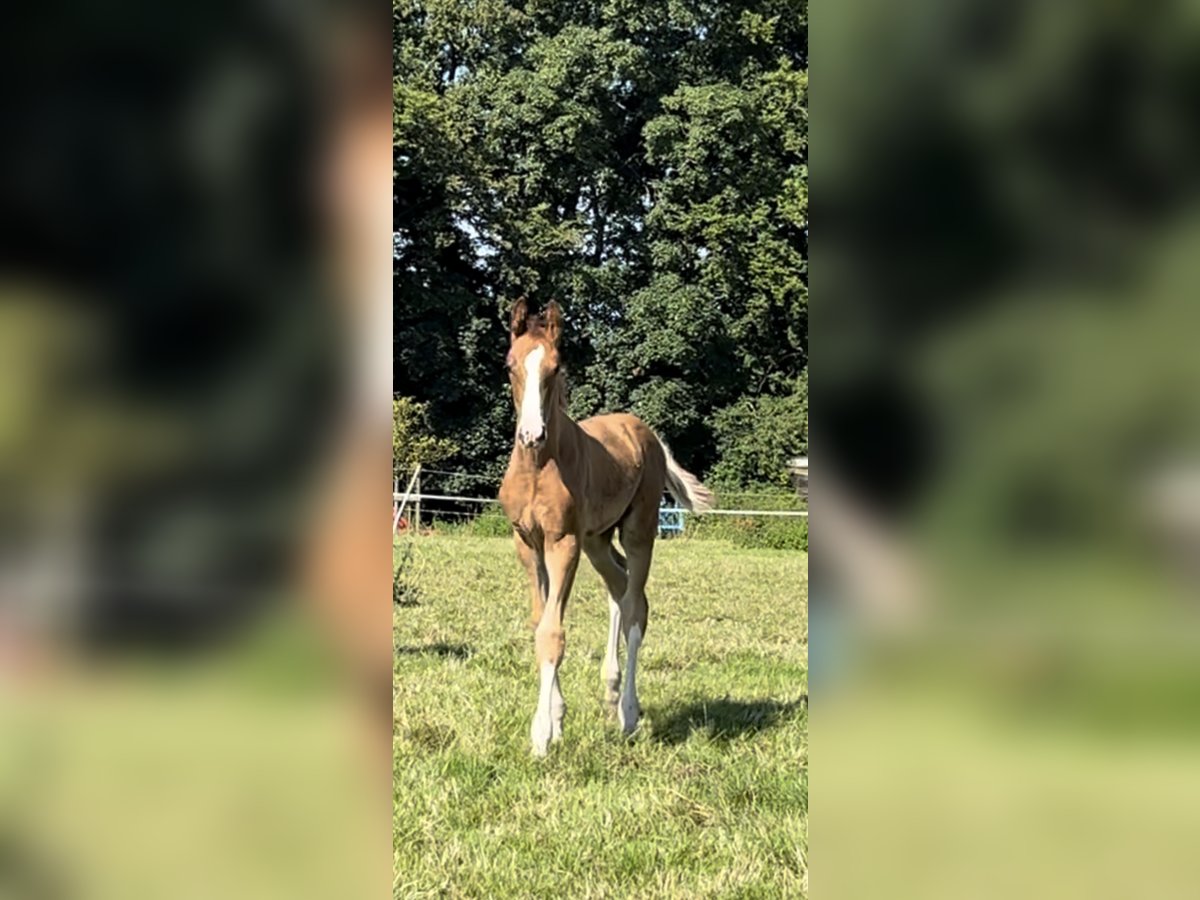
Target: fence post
<point>399,502</point>
<point>417,505</point>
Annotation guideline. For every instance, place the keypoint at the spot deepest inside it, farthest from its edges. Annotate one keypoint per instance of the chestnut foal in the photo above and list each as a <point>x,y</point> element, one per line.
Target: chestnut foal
<point>569,487</point>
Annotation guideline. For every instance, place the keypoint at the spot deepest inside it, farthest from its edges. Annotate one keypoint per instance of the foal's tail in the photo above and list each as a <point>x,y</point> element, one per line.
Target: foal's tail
<point>684,486</point>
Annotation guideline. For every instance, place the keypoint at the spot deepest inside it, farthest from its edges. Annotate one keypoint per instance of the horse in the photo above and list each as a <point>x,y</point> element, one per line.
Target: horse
<point>570,486</point>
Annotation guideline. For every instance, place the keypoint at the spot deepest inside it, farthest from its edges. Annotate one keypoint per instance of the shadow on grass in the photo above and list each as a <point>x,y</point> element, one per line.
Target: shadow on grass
<point>723,719</point>
<point>458,651</point>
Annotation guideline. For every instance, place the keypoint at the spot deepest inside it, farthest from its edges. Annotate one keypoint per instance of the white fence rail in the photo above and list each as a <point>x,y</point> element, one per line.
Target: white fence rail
<point>711,512</point>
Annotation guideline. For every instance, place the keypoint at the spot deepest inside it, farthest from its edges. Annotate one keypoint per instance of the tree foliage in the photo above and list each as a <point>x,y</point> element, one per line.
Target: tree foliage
<point>643,163</point>
<point>413,443</point>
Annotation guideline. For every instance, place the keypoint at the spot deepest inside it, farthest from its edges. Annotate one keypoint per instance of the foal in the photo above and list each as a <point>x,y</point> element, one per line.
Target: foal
<point>569,487</point>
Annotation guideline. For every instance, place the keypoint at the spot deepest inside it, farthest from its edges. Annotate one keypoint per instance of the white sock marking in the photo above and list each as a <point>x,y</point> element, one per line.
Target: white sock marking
<point>543,723</point>
<point>610,672</point>
<point>558,709</point>
<point>627,711</point>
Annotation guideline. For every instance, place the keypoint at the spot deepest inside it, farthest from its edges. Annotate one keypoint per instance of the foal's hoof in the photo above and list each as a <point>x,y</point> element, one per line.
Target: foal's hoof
<point>628,713</point>
<point>540,734</point>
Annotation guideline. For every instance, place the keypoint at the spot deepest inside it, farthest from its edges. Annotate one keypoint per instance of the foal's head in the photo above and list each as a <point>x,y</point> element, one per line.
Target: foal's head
<point>533,369</point>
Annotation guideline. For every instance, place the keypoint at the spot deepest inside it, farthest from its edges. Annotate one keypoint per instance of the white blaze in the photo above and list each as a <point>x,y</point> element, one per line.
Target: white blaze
<point>531,424</point>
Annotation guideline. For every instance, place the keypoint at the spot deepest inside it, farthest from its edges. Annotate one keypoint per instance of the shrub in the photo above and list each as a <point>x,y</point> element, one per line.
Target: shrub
<point>413,440</point>
<point>756,435</point>
<point>775,534</point>
<point>771,532</point>
<point>783,533</point>
<point>492,523</point>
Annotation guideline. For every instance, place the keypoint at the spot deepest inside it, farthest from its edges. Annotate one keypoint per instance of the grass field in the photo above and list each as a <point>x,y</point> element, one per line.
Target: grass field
<point>709,798</point>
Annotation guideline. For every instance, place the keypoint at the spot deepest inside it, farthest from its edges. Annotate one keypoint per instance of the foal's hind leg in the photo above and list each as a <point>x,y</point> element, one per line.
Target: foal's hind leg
<point>637,537</point>
<point>611,565</point>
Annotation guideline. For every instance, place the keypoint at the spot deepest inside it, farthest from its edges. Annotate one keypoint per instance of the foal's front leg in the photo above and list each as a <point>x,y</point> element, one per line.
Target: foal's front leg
<point>561,558</point>
<point>537,579</point>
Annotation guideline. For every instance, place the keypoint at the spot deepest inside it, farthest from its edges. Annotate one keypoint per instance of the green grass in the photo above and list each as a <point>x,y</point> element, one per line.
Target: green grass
<point>709,797</point>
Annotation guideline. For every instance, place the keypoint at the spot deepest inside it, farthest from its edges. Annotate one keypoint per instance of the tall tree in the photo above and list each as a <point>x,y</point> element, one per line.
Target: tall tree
<point>645,164</point>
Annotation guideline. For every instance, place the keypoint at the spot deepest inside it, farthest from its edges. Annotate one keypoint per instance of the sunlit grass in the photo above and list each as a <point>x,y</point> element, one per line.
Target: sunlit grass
<point>709,797</point>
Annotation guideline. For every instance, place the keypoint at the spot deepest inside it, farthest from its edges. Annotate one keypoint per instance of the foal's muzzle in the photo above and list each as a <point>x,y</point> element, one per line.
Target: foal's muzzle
<point>530,439</point>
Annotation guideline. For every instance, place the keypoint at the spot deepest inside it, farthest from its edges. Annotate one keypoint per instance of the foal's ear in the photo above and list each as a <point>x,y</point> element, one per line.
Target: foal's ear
<point>518,321</point>
<point>554,319</point>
